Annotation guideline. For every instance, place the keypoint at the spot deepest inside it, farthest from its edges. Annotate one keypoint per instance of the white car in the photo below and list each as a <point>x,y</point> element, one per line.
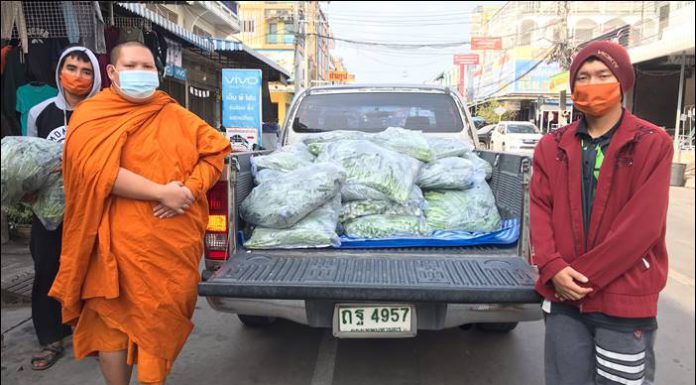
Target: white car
<point>516,137</point>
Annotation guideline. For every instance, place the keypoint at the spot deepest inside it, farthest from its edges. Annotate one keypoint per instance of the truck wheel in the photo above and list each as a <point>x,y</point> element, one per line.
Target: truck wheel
<point>497,327</point>
<point>253,321</point>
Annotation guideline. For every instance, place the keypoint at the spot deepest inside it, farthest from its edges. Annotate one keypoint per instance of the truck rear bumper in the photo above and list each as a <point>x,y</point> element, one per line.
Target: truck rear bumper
<point>431,316</point>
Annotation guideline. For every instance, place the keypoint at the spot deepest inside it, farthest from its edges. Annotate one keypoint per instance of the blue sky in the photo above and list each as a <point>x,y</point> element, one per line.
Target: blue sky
<point>399,22</point>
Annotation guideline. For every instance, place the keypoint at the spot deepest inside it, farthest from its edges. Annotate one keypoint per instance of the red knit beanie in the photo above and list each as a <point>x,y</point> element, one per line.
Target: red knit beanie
<point>613,56</point>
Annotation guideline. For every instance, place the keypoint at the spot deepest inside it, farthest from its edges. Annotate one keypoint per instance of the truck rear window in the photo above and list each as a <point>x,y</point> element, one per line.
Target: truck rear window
<point>375,111</point>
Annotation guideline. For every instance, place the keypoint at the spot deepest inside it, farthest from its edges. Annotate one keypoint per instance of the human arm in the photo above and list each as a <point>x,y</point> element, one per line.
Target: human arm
<point>172,195</point>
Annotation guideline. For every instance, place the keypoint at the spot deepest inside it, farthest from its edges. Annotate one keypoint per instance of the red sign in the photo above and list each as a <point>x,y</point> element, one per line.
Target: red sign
<point>466,59</point>
<point>486,43</point>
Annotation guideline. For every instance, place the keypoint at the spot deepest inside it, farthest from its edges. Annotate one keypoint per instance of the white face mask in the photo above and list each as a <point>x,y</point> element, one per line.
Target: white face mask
<point>137,84</point>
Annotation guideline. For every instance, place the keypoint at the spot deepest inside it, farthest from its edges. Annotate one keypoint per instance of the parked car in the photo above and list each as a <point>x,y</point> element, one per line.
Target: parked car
<point>484,135</point>
<point>479,122</point>
<point>424,288</point>
<point>515,137</point>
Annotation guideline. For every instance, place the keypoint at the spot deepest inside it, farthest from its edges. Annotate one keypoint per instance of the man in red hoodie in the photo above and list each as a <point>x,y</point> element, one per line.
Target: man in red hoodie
<point>599,196</point>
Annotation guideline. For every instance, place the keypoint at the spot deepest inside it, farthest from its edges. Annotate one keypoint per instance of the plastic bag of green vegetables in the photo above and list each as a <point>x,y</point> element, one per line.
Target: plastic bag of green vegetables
<point>356,192</point>
<point>32,165</point>
<point>373,166</point>
<point>316,142</point>
<point>287,158</point>
<point>26,164</point>
<point>382,226</point>
<point>468,210</point>
<point>282,202</point>
<point>403,141</point>
<point>266,175</point>
<point>480,164</point>
<point>49,206</point>
<point>445,148</point>
<point>449,174</point>
<point>356,209</point>
<point>318,229</point>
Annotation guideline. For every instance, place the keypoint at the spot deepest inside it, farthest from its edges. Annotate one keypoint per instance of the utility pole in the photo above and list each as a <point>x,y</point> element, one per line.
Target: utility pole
<point>306,21</point>
<point>298,61</point>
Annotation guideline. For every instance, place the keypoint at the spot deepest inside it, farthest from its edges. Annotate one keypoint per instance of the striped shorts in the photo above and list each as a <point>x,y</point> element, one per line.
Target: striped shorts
<point>577,352</point>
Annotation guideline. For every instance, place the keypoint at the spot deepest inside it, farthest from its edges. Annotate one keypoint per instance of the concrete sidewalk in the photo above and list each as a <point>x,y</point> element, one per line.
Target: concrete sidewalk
<point>17,272</point>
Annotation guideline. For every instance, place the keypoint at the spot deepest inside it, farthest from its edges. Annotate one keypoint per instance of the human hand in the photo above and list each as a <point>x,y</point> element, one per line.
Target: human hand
<point>566,288</point>
<point>174,198</point>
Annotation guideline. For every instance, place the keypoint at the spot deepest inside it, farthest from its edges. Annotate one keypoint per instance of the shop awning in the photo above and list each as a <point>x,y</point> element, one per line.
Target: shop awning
<point>233,46</point>
<point>140,10</point>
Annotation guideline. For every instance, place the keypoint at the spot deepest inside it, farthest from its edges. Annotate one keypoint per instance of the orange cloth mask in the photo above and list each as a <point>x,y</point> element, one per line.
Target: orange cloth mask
<point>76,85</point>
<point>596,99</point>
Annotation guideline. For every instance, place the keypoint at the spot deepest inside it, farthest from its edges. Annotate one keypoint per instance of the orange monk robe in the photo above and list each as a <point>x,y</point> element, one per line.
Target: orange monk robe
<point>125,275</point>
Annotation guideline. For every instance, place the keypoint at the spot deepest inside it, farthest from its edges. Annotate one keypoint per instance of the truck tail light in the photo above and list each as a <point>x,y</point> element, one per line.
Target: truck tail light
<point>216,234</point>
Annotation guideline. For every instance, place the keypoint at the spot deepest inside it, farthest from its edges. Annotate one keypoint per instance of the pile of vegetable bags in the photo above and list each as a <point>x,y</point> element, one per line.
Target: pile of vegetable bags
<point>341,187</point>
<point>33,166</point>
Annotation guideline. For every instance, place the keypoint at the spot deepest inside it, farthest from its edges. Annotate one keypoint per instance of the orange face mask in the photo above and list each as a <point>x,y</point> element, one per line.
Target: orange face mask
<point>76,85</point>
<point>596,99</point>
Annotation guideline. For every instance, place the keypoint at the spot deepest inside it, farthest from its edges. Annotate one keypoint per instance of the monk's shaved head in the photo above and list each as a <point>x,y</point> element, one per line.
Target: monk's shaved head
<point>117,52</point>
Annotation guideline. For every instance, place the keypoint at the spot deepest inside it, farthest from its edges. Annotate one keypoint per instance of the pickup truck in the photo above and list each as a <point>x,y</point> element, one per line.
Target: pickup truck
<point>363,293</point>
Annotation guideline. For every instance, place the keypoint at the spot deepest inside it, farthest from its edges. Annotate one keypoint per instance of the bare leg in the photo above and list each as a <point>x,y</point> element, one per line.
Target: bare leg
<point>114,367</point>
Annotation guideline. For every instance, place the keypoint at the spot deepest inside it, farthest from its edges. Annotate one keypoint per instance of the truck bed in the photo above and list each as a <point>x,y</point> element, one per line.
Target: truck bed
<point>482,274</point>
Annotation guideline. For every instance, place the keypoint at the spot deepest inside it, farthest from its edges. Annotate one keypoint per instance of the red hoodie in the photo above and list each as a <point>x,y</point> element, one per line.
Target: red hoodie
<point>626,256</point>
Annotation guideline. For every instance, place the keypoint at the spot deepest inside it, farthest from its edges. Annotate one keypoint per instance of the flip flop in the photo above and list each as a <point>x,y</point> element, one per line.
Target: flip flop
<point>50,354</point>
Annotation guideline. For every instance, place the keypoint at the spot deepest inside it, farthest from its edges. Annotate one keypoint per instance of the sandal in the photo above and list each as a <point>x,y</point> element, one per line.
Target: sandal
<point>48,356</point>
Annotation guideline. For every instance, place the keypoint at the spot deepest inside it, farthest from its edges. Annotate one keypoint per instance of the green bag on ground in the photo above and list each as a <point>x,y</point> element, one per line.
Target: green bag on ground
<point>282,202</point>
<point>382,226</point>
<point>318,229</point>
<point>468,210</point>
<point>373,166</point>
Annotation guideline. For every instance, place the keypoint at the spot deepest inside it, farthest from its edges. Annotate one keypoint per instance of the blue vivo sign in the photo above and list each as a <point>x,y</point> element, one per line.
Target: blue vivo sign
<point>241,100</point>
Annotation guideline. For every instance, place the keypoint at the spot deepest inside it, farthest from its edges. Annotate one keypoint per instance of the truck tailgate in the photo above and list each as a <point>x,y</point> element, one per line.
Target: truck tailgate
<point>439,277</point>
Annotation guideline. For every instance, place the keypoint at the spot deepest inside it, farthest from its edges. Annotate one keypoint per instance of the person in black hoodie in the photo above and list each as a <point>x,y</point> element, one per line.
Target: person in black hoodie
<point>77,78</point>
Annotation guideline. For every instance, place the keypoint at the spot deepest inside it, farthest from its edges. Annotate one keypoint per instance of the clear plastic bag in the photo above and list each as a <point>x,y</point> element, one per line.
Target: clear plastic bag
<point>381,226</point>
<point>472,210</point>
<point>449,174</point>
<point>318,229</point>
<point>373,166</point>
<point>403,141</point>
<point>356,209</point>
<point>281,203</point>
<point>445,148</point>
<point>357,192</point>
<point>267,174</point>
<point>287,158</point>
<point>32,165</point>
<point>316,142</point>
<point>480,164</point>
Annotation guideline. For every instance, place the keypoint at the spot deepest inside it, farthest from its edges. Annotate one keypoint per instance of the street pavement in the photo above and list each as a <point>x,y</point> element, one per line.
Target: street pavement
<point>222,351</point>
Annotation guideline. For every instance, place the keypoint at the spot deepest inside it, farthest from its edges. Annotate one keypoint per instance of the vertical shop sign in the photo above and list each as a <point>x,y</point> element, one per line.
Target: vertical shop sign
<point>241,106</point>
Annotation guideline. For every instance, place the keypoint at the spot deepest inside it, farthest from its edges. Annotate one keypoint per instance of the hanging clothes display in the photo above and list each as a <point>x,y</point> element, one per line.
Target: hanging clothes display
<point>13,16</point>
<point>30,95</point>
<point>13,77</point>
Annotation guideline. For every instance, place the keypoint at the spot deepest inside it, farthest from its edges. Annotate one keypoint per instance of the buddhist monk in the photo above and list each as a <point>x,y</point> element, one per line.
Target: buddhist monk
<point>136,167</point>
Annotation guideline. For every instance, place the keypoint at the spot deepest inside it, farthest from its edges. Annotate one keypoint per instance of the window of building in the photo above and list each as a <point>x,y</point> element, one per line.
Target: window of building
<point>201,32</point>
<point>249,26</point>
<point>272,33</point>
<point>164,12</point>
<point>289,33</point>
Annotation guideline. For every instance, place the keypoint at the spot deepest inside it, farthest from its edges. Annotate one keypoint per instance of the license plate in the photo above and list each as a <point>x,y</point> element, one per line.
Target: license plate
<point>376,321</point>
